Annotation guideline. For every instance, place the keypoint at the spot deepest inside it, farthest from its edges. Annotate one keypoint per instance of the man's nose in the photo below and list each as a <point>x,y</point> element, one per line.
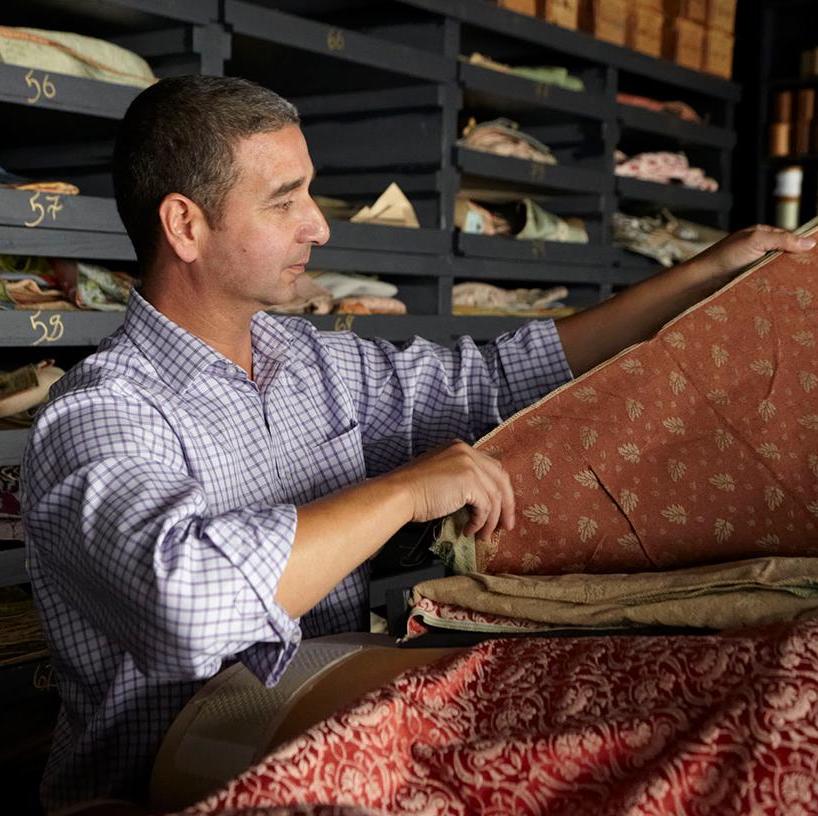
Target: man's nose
<point>316,228</point>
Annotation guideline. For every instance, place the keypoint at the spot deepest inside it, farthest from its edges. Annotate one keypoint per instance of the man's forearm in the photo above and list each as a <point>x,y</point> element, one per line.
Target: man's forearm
<point>592,336</point>
<point>337,533</point>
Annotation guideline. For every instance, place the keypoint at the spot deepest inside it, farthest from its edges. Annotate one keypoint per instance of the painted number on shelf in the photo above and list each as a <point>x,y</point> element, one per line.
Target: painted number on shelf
<point>344,322</point>
<point>40,87</point>
<point>44,678</point>
<point>51,331</point>
<point>536,171</point>
<point>335,39</point>
<point>40,210</point>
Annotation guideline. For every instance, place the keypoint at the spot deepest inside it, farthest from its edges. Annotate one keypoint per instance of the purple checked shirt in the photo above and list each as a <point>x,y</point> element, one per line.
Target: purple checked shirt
<point>161,488</point>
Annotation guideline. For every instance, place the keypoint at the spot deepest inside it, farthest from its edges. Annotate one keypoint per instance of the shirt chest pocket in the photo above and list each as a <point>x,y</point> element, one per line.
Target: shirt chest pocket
<point>311,471</point>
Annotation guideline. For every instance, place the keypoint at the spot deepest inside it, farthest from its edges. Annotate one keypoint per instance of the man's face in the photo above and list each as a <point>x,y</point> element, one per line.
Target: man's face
<point>269,222</point>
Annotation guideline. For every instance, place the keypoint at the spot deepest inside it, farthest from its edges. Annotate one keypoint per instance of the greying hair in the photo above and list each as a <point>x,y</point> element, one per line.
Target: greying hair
<point>179,136</point>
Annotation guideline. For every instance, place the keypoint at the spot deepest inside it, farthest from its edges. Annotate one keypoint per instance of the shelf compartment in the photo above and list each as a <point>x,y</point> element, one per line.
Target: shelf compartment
<point>24,86</point>
<point>675,197</point>
<point>13,567</point>
<point>665,124</point>
<point>508,93</point>
<point>532,175</point>
<point>539,252</point>
<point>259,22</point>
<point>132,14</point>
<point>60,243</point>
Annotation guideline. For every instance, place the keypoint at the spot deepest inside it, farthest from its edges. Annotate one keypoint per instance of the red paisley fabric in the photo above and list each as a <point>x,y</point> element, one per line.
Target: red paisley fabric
<point>629,725</point>
<point>698,446</point>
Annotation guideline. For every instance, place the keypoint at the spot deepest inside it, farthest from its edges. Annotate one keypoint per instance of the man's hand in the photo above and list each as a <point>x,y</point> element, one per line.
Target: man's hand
<point>725,259</point>
<point>444,480</point>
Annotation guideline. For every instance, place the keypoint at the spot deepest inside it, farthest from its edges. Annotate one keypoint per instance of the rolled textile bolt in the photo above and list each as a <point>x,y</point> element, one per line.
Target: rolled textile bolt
<point>788,197</point>
<point>783,106</point>
<point>780,139</point>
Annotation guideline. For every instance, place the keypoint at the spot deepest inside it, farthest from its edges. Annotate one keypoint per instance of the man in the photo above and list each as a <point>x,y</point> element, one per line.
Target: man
<point>209,485</point>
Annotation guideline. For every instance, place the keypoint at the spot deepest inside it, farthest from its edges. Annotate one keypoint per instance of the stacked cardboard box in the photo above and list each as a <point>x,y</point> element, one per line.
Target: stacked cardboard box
<point>719,38</point>
<point>563,13</point>
<point>645,24</point>
<point>605,19</point>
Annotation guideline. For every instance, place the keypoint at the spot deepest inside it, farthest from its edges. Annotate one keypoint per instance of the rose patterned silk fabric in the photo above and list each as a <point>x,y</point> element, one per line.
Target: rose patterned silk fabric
<point>697,446</point>
<point>627,725</point>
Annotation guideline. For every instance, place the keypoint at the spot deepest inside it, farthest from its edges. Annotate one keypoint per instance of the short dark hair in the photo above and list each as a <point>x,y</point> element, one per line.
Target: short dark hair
<point>178,136</point>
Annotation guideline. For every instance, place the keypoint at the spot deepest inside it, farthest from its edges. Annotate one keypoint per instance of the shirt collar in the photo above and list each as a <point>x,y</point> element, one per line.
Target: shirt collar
<point>179,356</point>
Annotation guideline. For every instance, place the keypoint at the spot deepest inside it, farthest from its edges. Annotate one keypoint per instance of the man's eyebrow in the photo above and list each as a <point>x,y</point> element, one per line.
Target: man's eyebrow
<point>289,186</point>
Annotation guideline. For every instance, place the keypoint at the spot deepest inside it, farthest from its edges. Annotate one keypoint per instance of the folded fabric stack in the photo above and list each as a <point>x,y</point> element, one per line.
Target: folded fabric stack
<point>674,107</point>
<point>545,74</point>
<point>663,167</point>
<point>23,390</point>
<point>342,293</point>
<point>523,219</point>
<point>392,209</point>
<point>14,182</point>
<point>21,636</point>
<point>663,237</point>
<point>476,298</point>
<point>675,484</point>
<point>62,52</point>
<point>503,137</point>
<point>57,284</point>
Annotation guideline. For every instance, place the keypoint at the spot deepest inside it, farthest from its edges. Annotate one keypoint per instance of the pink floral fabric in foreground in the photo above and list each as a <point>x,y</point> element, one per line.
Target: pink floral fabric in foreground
<point>698,446</point>
<point>707,725</point>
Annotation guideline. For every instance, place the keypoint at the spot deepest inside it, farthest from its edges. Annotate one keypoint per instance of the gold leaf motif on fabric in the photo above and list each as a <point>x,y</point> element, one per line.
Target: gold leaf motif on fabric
<point>717,313</point>
<point>766,410</point>
<point>808,380</point>
<point>761,285</point>
<point>723,439</point>
<point>675,513</point>
<point>539,421</point>
<point>629,541</point>
<point>676,469</point>
<point>763,367</point>
<point>763,326</point>
<point>810,422</point>
<point>541,465</point>
<point>628,500</point>
<point>804,338</point>
<point>588,436</point>
<point>803,296</point>
<point>538,513</point>
<point>813,508</point>
<point>719,354</point>
<point>774,496</point>
<point>531,562</point>
<point>586,394</point>
<point>769,541</point>
<point>675,339</point>
<point>813,464</point>
<point>723,481</point>
<point>629,452</point>
<point>586,527</point>
<point>769,450</point>
<point>632,366</point>
<point>719,396</point>
<point>722,530</point>
<point>677,382</point>
<point>587,479</point>
<point>634,408</point>
<point>675,425</point>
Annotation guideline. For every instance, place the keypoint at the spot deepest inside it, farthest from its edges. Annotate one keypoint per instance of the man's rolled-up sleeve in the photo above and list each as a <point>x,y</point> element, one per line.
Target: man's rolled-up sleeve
<point>123,533</point>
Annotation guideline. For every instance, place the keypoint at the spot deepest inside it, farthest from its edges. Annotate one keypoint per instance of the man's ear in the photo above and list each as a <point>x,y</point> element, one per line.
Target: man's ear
<point>183,225</point>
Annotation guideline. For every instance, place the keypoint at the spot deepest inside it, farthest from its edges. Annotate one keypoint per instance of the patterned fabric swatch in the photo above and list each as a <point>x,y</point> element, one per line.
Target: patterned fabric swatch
<point>715,725</point>
<point>698,446</point>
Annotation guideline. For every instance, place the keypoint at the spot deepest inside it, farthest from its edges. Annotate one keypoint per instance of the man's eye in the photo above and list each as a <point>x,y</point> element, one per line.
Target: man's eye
<point>284,205</point>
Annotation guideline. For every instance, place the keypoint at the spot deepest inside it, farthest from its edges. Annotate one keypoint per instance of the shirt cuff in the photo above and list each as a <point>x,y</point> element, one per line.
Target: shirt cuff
<point>532,364</point>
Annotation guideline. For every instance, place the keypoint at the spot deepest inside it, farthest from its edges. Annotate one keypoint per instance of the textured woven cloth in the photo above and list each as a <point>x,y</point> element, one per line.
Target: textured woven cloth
<point>700,445</point>
<point>160,494</point>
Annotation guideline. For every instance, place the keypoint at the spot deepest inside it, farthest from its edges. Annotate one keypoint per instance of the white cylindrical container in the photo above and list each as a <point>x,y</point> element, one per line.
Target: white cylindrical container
<point>788,196</point>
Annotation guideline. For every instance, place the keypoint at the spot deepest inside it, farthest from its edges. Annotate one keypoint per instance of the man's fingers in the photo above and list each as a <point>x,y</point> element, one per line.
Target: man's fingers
<point>767,239</point>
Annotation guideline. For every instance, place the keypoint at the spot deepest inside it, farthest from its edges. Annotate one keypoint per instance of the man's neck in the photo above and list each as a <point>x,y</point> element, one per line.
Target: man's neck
<point>224,331</point>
